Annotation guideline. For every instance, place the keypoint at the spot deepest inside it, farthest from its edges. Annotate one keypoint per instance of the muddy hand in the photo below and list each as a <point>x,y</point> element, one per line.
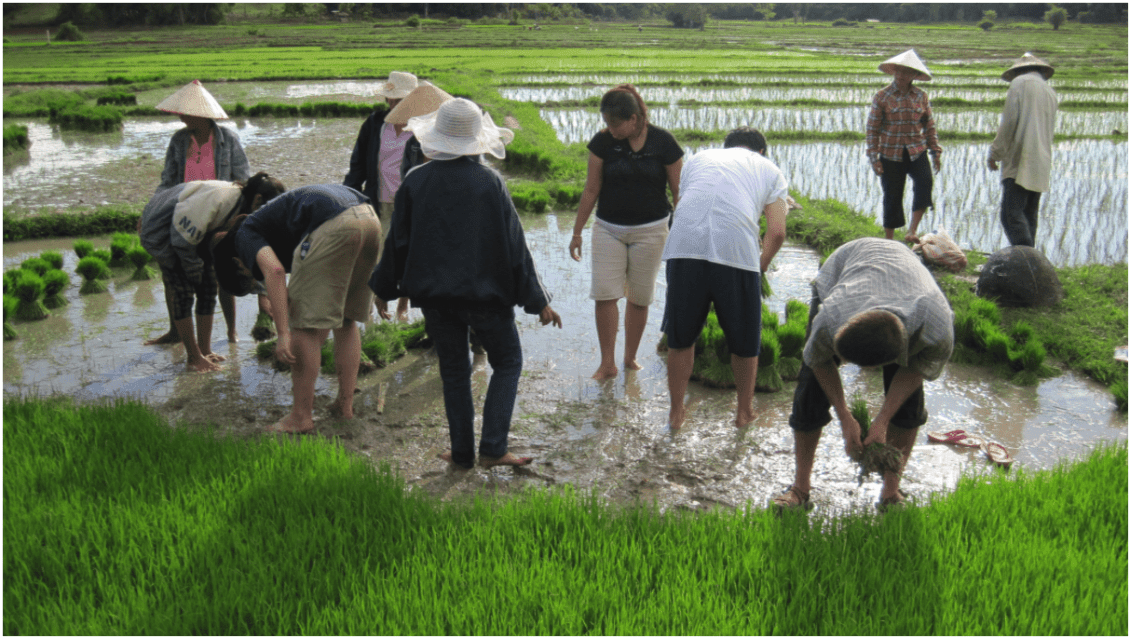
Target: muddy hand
<point>549,315</point>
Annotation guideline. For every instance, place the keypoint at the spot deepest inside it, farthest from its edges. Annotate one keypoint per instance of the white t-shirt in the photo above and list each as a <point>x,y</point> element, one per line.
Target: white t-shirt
<point>722,193</point>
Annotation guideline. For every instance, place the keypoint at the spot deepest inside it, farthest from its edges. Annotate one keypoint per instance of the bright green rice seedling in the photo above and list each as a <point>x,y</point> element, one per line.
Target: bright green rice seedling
<point>796,311</point>
<point>10,303</point>
<point>1021,332</point>
<point>98,119</point>
<point>264,327</point>
<point>52,257</point>
<point>120,245</point>
<point>93,271</point>
<point>766,289</point>
<point>103,255</point>
<point>768,374</point>
<point>35,265</point>
<point>877,458</point>
<point>15,138</point>
<point>791,337</point>
<point>54,283</point>
<point>769,319</point>
<point>140,258</point>
<point>29,292</point>
<point>10,277</point>
<point>1118,390</point>
<point>986,309</point>
<point>83,247</point>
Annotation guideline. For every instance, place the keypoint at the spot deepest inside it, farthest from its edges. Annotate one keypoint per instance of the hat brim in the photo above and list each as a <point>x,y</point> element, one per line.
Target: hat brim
<point>1045,70</point>
<point>491,140</point>
<point>193,100</point>
<point>425,99</point>
<point>890,67</point>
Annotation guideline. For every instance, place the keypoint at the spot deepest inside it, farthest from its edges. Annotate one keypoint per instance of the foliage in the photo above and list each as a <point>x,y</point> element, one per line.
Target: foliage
<point>1056,16</point>
<point>40,102</point>
<point>97,119</point>
<point>54,258</point>
<point>29,291</point>
<point>15,138</point>
<point>68,32</point>
<point>10,303</point>
<point>36,265</point>
<point>100,221</point>
<point>985,25</point>
<point>117,98</point>
<point>83,247</point>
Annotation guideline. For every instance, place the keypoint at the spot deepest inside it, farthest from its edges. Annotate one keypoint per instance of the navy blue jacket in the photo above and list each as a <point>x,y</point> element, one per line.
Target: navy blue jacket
<point>457,243</point>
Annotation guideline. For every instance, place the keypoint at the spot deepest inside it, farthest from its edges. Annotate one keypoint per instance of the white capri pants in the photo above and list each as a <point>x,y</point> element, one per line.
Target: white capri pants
<point>626,260</point>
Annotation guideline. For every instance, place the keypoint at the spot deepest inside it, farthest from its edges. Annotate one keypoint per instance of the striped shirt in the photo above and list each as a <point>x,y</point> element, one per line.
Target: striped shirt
<point>898,121</point>
<point>881,274</point>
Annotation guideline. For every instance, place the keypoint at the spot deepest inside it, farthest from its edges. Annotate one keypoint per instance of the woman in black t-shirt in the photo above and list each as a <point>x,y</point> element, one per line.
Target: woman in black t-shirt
<point>631,165</point>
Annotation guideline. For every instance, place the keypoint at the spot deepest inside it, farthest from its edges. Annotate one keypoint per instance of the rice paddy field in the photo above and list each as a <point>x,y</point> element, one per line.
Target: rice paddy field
<point>117,523</point>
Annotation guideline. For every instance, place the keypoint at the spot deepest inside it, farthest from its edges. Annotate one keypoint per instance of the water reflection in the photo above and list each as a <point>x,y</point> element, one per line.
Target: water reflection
<point>941,78</point>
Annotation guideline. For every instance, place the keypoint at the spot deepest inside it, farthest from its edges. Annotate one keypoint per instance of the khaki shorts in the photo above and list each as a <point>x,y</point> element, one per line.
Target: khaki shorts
<point>331,283</point>
<point>625,262</point>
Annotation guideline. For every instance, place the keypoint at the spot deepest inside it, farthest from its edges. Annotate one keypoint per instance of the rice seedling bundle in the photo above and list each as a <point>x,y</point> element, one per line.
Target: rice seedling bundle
<point>54,283</point>
<point>796,311</point>
<point>35,265</point>
<point>140,258</point>
<point>385,342</point>
<point>10,277</point>
<point>53,257</point>
<point>119,246</point>
<point>876,457</point>
<point>103,255</point>
<point>769,319</point>
<point>768,374</point>
<point>264,327</point>
<point>83,247</point>
<point>10,303</point>
<point>791,337</point>
<point>29,292</point>
<point>93,271</point>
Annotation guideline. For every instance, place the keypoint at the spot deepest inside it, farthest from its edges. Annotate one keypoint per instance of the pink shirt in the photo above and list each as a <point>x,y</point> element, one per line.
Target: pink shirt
<point>391,154</point>
<point>200,163</point>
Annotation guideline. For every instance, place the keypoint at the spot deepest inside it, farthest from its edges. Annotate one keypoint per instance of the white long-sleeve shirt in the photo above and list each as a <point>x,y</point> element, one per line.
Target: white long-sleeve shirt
<point>1023,144</point>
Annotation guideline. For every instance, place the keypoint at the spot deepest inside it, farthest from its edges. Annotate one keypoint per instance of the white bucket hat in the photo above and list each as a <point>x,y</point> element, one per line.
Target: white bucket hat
<point>910,60</point>
<point>193,99</point>
<point>458,128</point>
<point>424,99</point>
<point>1026,63</point>
<point>399,85</point>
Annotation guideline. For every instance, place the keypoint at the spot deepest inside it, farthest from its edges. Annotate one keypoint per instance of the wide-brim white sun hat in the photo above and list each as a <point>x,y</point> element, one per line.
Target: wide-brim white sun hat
<point>459,127</point>
<point>910,60</point>
<point>195,100</point>
<point>1026,63</point>
<point>398,86</point>
<point>426,98</point>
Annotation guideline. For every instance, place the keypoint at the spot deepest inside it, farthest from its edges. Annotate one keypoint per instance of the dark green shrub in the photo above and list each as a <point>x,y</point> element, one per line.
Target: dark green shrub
<point>54,283</point>
<point>35,265</point>
<point>985,25</point>
<point>68,32</point>
<point>29,292</point>
<point>53,257</point>
<point>83,247</point>
<point>139,257</point>
<point>93,271</point>
<point>413,22</point>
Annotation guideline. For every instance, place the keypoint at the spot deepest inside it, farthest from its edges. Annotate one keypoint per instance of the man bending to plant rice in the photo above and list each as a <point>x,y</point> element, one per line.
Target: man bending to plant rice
<point>873,304</point>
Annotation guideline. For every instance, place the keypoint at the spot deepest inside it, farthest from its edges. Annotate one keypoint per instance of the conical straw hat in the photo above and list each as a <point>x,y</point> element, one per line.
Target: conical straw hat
<point>399,85</point>
<point>1026,63</point>
<point>910,60</point>
<point>193,99</point>
<point>424,99</point>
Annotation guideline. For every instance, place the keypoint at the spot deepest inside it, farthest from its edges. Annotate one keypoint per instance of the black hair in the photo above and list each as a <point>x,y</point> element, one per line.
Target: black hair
<point>260,184</point>
<point>231,273</point>
<point>750,138</point>
<point>622,102</point>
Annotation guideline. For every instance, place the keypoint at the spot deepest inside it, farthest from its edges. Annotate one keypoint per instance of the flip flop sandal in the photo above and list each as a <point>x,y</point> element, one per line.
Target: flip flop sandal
<point>997,454</point>
<point>892,503</point>
<point>956,437</point>
<point>791,499</point>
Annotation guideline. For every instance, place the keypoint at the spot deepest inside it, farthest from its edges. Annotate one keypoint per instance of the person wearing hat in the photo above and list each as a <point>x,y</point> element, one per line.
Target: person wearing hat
<point>202,150</point>
<point>173,227</point>
<point>900,129</point>
<point>326,236</point>
<point>458,251</point>
<point>384,151</point>
<point>1023,146</point>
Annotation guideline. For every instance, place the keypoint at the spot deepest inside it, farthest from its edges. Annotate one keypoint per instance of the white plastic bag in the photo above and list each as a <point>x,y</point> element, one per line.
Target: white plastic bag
<point>938,248</point>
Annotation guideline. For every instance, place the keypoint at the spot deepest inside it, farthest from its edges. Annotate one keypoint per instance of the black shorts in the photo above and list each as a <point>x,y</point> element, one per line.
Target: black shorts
<point>693,284</point>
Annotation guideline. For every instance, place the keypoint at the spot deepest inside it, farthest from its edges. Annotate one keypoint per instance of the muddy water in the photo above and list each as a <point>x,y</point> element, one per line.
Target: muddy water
<point>610,437</point>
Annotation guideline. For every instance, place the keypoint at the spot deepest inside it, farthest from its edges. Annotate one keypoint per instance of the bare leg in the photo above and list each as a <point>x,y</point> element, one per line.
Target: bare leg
<point>680,362</point>
<point>402,310</point>
<point>307,347</point>
<point>347,357</point>
<point>196,360</point>
<point>227,304</point>
<point>902,439</point>
<point>635,320</point>
<point>806,443</point>
<point>912,231</point>
<point>204,338</point>
<point>745,376</point>
<point>173,335</point>
<point>889,233</point>
<point>607,324</point>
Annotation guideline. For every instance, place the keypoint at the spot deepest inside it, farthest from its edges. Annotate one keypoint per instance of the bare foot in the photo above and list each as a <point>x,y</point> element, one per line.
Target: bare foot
<point>169,337</point>
<point>293,424</point>
<point>446,456</point>
<point>232,338</point>
<point>505,459</point>
<point>402,317</point>
<point>214,358</point>
<point>632,365</point>
<point>911,238</point>
<point>744,418</point>
<point>676,417</point>
<point>605,372</point>
<point>337,411</point>
<point>203,365</point>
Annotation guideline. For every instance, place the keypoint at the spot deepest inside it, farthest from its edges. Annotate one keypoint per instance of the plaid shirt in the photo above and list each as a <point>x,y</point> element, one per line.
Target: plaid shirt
<point>898,121</point>
<point>872,273</point>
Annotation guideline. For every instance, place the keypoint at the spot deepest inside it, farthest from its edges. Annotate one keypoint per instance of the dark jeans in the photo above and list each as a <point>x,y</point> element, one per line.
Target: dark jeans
<point>893,180</point>
<point>1019,209</point>
<point>499,336</point>
<point>812,410</point>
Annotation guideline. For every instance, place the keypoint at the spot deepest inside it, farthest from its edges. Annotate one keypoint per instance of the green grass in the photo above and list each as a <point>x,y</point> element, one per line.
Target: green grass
<point>15,138</point>
<point>115,523</point>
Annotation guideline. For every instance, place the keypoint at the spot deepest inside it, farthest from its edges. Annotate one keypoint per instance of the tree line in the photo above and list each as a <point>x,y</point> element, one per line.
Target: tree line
<point>117,14</point>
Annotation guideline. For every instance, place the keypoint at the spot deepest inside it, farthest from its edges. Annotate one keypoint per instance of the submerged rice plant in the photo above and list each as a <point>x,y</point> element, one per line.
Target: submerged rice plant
<point>29,292</point>
<point>54,283</point>
<point>93,271</point>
